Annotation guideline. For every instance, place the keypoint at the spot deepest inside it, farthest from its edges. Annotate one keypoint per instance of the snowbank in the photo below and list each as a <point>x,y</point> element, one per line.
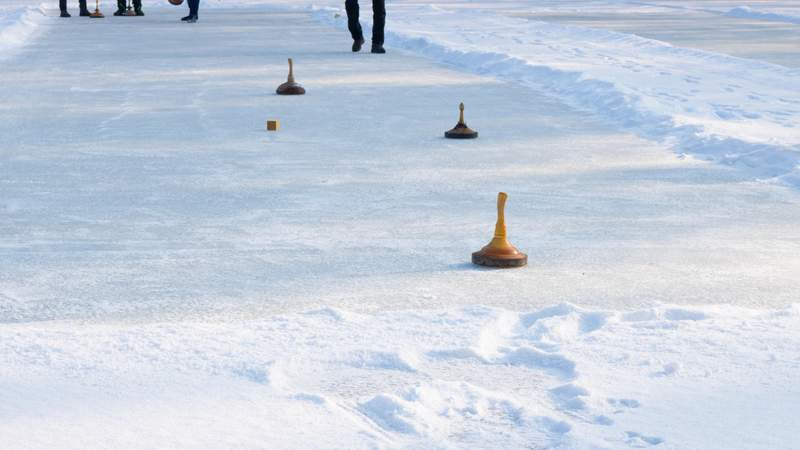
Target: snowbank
<point>17,27</point>
<point>730,110</point>
<point>746,12</point>
<point>474,377</point>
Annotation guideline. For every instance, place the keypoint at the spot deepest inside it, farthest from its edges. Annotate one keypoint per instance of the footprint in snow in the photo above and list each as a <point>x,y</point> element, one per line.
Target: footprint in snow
<point>668,369</point>
<point>310,398</point>
<point>639,440</point>
<point>592,322</point>
<point>623,403</point>
<point>255,374</point>
<point>568,397</point>
<point>554,363</point>
<point>400,361</point>
<point>603,420</point>
<point>723,114</point>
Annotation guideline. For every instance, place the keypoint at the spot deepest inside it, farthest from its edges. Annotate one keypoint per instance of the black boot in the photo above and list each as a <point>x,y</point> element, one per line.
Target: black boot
<point>62,5</point>
<point>357,43</point>
<point>353,24</point>
<point>84,11</point>
<point>378,24</point>
<point>139,12</point>
<point>65,14</point>
<point>194,5</point>
<point>137,7</point>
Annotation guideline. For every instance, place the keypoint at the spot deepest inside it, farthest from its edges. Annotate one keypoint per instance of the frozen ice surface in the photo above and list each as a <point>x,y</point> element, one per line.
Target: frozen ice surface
<point>138,181</point>
<point>172,275</point>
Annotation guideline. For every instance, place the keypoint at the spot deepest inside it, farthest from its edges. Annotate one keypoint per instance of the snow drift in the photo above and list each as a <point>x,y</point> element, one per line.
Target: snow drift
<point>746,12</point>
<point>637,378</point>
<point>17,26</point>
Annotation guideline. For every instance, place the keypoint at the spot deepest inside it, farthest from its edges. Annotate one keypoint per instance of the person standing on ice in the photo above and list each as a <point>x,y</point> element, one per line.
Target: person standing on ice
<point>378,23</point>
<point>62,4</point>
<point>121,7</point>
<point>194,5</point>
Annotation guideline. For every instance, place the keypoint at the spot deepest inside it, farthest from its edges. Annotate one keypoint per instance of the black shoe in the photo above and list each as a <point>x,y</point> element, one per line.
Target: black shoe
<point>119,12</point>
<point>65,14</point>
<point>191,19</point>
<point>378,48</point>
<point>85,13</point>
<point>187,18</point>
<point>357,43</point>
<point>138,12</point>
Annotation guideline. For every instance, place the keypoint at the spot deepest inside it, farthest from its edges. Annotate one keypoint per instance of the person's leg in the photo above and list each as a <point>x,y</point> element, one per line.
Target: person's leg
<point>84,9</point>
<point>189,4</point>
<point>352,19</point>
<point>137,7</point>
<point>378,21</point>
<point>194,5</point>
<point>62,5</point>
<point>120,8</point>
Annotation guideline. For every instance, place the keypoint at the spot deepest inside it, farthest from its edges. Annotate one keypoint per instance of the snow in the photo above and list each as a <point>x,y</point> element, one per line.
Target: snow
<point>172,275</point>
<point>745,12</point>
<point>18,24</point>
<point>635,378</point>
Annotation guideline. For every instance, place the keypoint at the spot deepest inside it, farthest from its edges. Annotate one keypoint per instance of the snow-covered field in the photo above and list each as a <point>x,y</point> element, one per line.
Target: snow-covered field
<point>172,275</point>
<point>476,377</point>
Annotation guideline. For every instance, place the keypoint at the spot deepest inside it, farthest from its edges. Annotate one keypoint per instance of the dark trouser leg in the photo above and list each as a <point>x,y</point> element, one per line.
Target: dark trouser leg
<point>352,19</point>
<point>137,5</point>
<point>82,5</point>
<point>120,5</point>
<point>378,21</point>
<point>194,5</point>
<point>62,5</point>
